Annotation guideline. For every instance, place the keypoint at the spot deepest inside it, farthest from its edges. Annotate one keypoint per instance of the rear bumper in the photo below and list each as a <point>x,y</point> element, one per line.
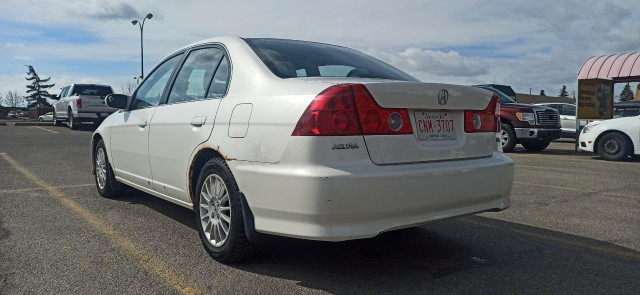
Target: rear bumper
<point>324,203</point>
<point>534,134</point>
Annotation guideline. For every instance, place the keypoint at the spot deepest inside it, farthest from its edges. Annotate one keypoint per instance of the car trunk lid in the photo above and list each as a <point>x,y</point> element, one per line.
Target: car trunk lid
<point>437,116</point>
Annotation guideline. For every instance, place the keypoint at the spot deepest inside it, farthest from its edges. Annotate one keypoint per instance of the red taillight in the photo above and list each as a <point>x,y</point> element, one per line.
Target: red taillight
<point>487,120</point>
<point>349,109</point>
<point>79,103</point>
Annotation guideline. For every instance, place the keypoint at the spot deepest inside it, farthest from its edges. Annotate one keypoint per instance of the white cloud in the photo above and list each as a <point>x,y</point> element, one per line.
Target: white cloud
<point>14,45</point>
<point>528,44</point>
<point>21,57</point>
<point>434,62</point>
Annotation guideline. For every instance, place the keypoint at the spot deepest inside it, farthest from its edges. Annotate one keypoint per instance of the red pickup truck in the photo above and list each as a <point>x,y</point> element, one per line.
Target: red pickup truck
<point>533,126</point>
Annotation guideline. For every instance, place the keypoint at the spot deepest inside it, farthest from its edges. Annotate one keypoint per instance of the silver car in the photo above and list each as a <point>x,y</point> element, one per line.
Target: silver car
<point>48,117</point>
<point>567,117</point>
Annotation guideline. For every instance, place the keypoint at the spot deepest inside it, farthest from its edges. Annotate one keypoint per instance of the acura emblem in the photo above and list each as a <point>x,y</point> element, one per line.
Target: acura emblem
<point>443,96</point>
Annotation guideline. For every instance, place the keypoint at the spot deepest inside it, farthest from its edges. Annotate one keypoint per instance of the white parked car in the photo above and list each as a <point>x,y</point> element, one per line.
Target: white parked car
<point>301,139</point>
<point>614,139</point>
<point>48,117</point>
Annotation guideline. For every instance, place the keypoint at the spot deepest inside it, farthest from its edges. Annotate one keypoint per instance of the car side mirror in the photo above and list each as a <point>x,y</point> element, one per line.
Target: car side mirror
<point>55,97</point>
<point>118,101</point>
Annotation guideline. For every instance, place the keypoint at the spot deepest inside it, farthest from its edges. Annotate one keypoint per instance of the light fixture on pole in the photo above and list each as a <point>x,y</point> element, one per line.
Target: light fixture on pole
<point>141,25</point>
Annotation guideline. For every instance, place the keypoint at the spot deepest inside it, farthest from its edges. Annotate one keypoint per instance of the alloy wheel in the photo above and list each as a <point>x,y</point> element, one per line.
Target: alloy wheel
<point>101,168</point>
<point>504,138</point>
<point>215,210</point>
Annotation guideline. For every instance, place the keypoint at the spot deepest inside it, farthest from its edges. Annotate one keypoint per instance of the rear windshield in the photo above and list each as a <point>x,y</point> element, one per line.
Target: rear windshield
<point>92,90</point>
<point>503,97</point>
<point>293,59</point>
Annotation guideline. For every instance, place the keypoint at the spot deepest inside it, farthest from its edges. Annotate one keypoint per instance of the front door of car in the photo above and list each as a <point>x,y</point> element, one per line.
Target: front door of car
<point>187,118</point>
<point>568,117</point>
<point>58,107</point>
<point>130,128</point>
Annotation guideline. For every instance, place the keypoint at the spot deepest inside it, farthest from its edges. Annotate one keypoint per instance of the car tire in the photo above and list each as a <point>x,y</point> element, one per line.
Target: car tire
<point>74,123</point>
<point>55,120</point>
<point>39,119</point>
<point>106,182</point>
<point>536,146</point>
<point>614,147</point>
<point>507,138</point>
<point>214,213</point>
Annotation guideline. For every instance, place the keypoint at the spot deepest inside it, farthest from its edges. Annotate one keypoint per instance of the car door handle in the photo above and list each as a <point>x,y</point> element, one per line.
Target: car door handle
<point>142,124</point>
<point>198,121</point>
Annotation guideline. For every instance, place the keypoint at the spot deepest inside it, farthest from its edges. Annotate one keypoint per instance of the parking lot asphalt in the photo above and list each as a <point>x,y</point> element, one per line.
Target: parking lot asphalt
<point>573,228</point>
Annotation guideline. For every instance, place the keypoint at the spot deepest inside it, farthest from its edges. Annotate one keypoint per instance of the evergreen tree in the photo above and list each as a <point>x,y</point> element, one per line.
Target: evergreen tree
<point>626,94</point>
<point>563,92</point>
<point>542,93</point>
<point>37,93</point>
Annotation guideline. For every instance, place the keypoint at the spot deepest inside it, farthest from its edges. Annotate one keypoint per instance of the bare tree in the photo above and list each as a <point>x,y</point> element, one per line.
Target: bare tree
<point>13,99</point>
<point>128,88</point>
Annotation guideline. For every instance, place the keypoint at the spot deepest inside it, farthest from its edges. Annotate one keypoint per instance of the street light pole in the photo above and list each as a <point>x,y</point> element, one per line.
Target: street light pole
<point>141,25</point>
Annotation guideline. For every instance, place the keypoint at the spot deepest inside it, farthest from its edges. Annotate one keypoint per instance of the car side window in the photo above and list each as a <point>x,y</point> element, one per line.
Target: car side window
<point>150,92</point>
<point>568,110</point>
<point>195,75</point>
<point>64,91</point>
<point>220,80</point>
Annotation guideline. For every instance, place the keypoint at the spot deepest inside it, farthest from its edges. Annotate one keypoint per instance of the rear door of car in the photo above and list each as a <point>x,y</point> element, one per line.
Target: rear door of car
<point>186,119</point>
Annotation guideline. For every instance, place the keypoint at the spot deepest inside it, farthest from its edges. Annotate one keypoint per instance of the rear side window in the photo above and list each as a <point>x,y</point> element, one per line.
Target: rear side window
<point>94,90</point>
<point>293,59</point>
<point>220,80</point>
<point>195,75</point>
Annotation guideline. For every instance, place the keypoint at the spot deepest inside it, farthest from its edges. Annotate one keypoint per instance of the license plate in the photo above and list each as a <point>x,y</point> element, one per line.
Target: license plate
<point>434,126</point>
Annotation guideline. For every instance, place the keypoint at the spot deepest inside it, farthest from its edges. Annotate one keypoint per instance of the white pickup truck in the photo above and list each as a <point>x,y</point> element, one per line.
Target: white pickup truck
<point>82,103</point>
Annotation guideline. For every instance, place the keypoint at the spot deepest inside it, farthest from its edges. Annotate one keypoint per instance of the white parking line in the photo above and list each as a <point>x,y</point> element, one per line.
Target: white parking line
<point>44,129</point>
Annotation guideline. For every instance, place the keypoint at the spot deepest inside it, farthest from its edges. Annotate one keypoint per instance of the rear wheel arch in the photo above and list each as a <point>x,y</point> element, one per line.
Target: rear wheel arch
<point>597,141</point>
<point>94,142</point>
<point>201,157</point>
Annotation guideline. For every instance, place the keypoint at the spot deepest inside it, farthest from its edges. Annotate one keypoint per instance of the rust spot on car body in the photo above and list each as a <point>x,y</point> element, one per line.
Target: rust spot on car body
<point>193,163</point>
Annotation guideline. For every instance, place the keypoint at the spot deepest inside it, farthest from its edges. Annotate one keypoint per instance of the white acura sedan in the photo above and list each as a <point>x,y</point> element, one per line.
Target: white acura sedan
<point>301,139</point>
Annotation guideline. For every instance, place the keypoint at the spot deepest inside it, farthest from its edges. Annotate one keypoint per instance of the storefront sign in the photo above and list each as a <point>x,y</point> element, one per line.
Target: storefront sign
<point>595,99</point>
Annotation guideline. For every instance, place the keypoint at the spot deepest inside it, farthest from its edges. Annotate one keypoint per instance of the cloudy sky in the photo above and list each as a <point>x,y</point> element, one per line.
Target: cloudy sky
<point>527,44</point>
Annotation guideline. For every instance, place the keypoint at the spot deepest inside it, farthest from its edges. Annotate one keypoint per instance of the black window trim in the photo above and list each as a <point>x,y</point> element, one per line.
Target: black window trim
<point>169,82</point>
<point>225,53</point>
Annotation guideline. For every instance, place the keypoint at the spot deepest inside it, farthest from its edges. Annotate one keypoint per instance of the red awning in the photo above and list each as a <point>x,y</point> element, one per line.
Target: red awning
<point>615,66</point>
